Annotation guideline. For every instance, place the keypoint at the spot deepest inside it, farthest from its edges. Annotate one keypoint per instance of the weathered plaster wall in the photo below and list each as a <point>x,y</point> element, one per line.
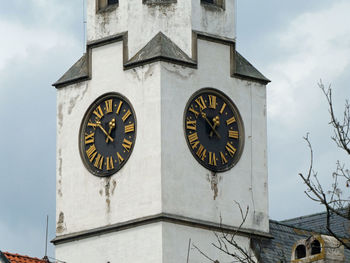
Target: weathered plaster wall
<point>175,20</point>
<point>176,240</point>
<point>142,22</point>
<point>161,174</point>
<point>245,183</point>
<point>161,165</point>
<point>215,20</point>
<point>159,242</point>
<point>132,245</point>
<point>85,201</point>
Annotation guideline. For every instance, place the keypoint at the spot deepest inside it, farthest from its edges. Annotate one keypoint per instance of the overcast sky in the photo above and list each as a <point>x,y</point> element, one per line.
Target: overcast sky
<point>293,43</point>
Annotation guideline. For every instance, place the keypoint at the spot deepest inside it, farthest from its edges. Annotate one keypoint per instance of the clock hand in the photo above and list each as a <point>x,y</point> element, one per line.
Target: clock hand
<point>111,127</point>
<point>98,123</point>
<point>216,121</point>
<point>204,116</point>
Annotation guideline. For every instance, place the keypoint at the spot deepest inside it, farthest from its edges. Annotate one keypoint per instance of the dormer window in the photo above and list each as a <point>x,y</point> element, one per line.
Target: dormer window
<point>315,247</point>
<point>106,4</point>
<point>218,3</point>
<point>300,252</point>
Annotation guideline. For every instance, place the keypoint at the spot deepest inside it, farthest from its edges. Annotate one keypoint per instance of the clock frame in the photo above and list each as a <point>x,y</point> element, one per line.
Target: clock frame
<point>214,129</point>
<point>107,134</point>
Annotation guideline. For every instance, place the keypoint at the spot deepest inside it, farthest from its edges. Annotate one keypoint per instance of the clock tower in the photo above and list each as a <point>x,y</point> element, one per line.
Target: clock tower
<point>161,128</point>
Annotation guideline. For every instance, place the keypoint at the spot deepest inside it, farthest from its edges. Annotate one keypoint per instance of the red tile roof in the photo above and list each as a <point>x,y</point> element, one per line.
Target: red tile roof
<point>15,258</point>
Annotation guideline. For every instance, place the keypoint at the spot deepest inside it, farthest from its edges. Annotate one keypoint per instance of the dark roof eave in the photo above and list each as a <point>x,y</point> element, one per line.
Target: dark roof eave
<point>130,65</point>
<point>160,48</point>
<point>263,81</point>
<point>63,84</point>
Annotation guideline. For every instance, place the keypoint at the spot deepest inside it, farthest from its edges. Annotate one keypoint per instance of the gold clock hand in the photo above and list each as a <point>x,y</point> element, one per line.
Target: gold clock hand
<point>204,116</point>
<point>98,123</point>
<point>111,125</point>
<point>216,121</point>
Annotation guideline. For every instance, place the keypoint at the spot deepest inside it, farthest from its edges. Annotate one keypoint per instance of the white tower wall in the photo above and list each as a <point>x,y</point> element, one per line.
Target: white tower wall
<point>187,186</point>
<point>162,197</point>
<point>144,21</point>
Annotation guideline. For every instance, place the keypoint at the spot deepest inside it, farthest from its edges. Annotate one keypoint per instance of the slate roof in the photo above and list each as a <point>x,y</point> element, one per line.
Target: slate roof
<point>160,48</point>
<point>245,69</point>
<point>6,257</point>
<point>286,233</point>
<point>279,248</point>
<point>317,222</point>
<point>78,72</point>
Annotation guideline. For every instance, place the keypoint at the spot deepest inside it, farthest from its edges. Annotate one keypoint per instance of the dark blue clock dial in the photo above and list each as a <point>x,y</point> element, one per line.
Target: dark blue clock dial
<point>107,134</point>
<point>214,130</point>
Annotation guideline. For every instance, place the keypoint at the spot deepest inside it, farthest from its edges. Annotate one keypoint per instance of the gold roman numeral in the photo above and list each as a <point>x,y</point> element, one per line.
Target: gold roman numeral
<point>201,152</point>
<point>109,105</point>
<point>191,109</point>
<point>126,115</point>
<point>231,150</point>
<point>127,144</point>
<point>230,121</point>
<point>91,124</point>
<point>129,128</point>
<point>119,106</point>
<point>212,101</point>
<point>99,161</point>
<point>193,139</point>
<point>89,138</point>
<point>98,112</point>
<point>223,159</point>
<point>91,152</point>
<point>212,159</point>
<point>120,158</point>
<point>223,108</point>
<point>233,134</point>
<point>110,163</point>
<point>201,103</point>
<point>191,125</point>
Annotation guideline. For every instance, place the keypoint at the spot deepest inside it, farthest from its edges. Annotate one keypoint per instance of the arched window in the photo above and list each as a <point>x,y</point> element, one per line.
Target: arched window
<point>300,252</point>
<point>315,247</point>
<point>104,4</point>
<point>219,3</point>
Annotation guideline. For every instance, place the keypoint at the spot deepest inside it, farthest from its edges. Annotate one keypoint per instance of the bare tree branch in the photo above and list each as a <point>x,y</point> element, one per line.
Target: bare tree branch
<point>341,129</point>
<point>333,199</point>
<point>226,242</point>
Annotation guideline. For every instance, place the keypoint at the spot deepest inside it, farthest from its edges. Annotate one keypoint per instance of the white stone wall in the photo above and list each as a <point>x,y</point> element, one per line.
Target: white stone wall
<point>158,242</point>
<point>186,184</point>
<point>143,22</point>
<point>84,200</point>
<point>161,165</point>
<point>161,174</point>
<point>176,240</point>
<point>216,21</point>
<point>143,244</point>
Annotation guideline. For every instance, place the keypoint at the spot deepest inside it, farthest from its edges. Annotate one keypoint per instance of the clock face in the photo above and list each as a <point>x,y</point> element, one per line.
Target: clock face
<point>213,130</point>
<point>107,134</point>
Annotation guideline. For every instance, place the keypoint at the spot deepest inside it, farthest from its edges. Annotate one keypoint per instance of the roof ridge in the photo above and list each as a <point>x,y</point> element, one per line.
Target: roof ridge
<point>160,47</point>
<point>300,217</point>
<point>310,215</point>
<point>299,228</point>
<point>294,227</point>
